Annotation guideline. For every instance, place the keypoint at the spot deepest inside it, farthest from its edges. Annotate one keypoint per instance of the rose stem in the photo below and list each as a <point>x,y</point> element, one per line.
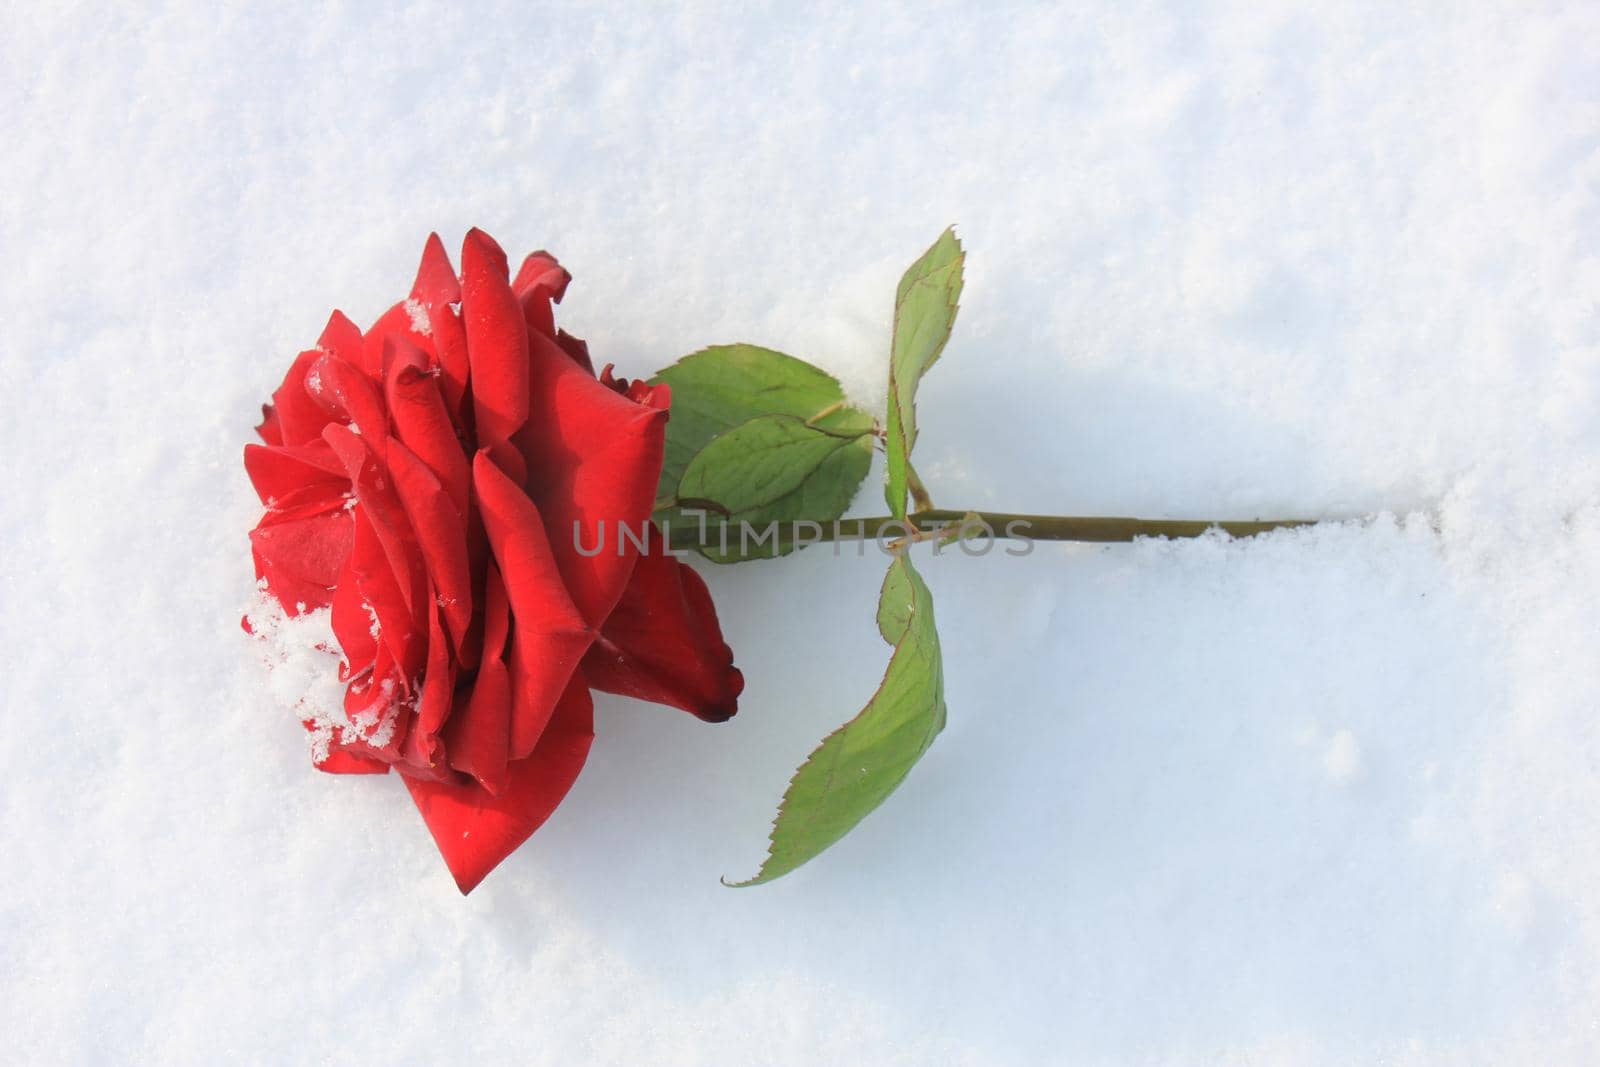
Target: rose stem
<point>1038,527</point>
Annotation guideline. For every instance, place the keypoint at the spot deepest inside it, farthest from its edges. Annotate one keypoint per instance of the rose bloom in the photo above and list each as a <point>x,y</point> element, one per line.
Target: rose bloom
<point>430,482</point>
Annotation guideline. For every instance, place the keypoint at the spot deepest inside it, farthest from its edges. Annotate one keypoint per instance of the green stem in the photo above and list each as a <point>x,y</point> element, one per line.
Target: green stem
<point>1004,524</point>
<point>919,492</point>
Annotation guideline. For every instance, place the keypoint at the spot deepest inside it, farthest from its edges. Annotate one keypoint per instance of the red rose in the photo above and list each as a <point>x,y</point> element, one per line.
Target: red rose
<point>429,482</point>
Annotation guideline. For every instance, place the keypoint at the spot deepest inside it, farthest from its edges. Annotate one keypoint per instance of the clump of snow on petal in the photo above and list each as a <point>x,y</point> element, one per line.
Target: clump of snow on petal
<point>376,721</point>
<point>301,656</point>
<point>418,314</point>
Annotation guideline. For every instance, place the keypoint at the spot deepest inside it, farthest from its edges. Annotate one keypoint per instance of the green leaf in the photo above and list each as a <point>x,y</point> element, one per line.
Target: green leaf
<point>771,469</point>
<point>858,765</point>
<point>719,388</point>
<point>758,462</point>
<point>771,531</point>
<point>924,313</point>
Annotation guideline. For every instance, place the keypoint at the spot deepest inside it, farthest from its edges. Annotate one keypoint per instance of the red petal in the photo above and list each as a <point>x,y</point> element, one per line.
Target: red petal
<point>441,534</point>
<point>342,338</point>
<point>436,288</point>
<point>576,348</point>
<point>541,282</point>
<point>381,506</point>
<point>298,418</point>
<point>594,457</point>
<point>369,703</point>
<point>474,829</point>
<point>395,326</point>
<point>311,549</point>
<point>423,750</point>
<point>277,472</point>
<point>338,762</point>
<point>422,421</point>
<point>478,735</point>
<point>292,592</point>
<point>346,393</point>
<point>548,635</point>
<point>497,347</point>
<point>663,643</point>
<point>269,430</point>
<point>352,624</point>
<point>375,582</point>
<point>306,502</point>
<point>637,389</point>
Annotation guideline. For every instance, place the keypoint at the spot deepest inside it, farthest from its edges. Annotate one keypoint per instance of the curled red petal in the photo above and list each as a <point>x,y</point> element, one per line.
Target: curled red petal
<point>397,326</point>
<point>475,829</point>
<point>436,290</point>
<point>548,634</point>
<point>478,733</point>
<point>663,642</point>
<point>424,753</point>
<point>541,282</point>
<point>380,506</point>
<point>440,533</point>
<point>421,421</point>
<point>497,349</point>
<point>637,389</point>
<point>594,461</point>
<point>346,393</point>
<point>381,599</point>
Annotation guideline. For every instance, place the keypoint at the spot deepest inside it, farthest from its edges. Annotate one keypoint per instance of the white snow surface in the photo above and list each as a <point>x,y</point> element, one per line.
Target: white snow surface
<point>1328,796</point>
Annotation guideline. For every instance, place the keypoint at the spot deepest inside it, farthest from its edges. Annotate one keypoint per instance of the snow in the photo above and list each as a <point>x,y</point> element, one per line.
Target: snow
<point>300,659</point>
<point>417,315</point>
<point>1322,797</point>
